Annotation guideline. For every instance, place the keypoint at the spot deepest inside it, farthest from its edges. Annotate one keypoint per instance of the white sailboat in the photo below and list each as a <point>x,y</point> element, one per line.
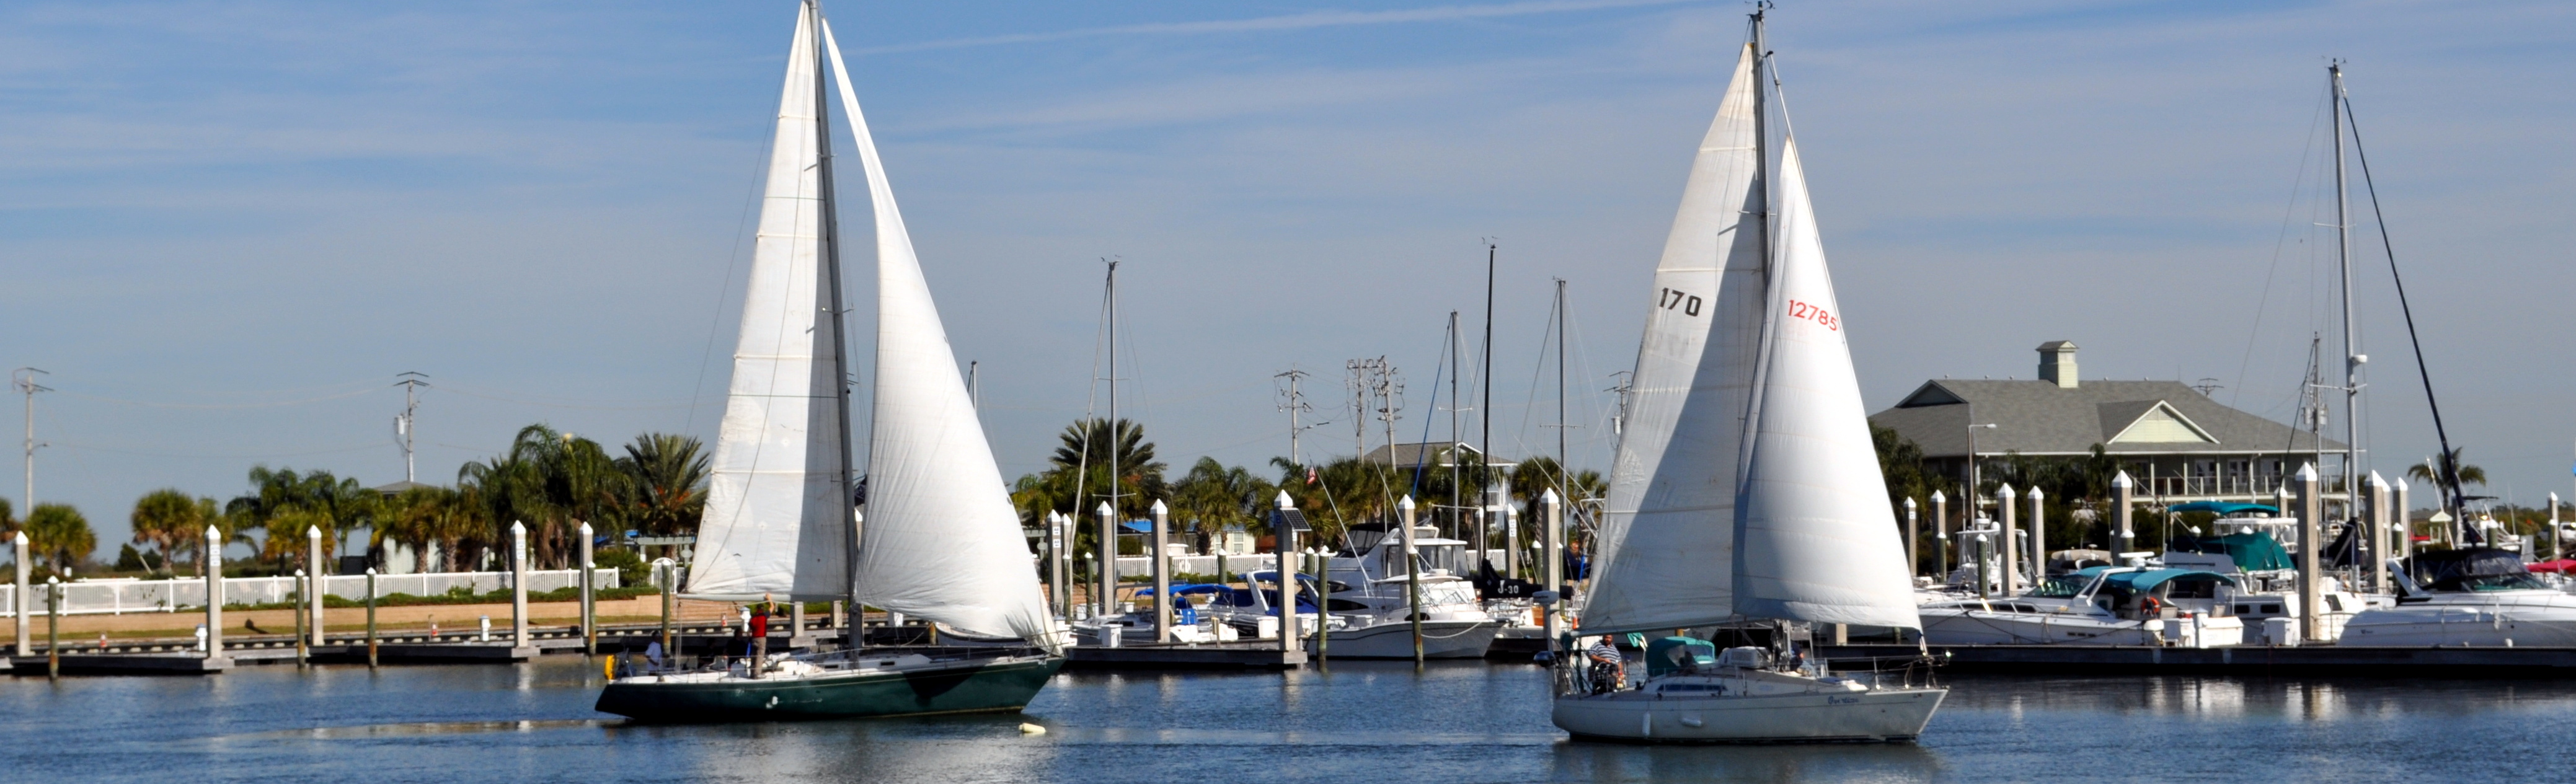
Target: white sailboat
<point>1746,486</point>
<point>942,541</point>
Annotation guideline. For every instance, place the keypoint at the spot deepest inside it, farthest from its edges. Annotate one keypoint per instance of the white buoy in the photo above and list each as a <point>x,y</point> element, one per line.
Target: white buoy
<point>1031,729</point>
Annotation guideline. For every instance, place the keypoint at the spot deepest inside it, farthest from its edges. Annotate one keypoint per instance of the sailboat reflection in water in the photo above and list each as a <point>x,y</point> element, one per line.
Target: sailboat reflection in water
<point>1746,487</point>
<point>942,541</point>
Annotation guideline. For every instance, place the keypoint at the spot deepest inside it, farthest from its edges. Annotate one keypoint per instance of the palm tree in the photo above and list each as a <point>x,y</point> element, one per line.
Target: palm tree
<point>164,519</point>
<point>1213,496</point>
<point>2469,474</point>
<point>60,535</point>
<point>665,483</point>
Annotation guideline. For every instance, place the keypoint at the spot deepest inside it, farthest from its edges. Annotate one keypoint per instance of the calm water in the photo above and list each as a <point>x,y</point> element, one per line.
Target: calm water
<point>1465,722</point>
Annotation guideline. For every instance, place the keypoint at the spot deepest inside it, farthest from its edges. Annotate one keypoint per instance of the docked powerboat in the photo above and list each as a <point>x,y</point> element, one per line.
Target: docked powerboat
<point>1362,624</point>
<point>1373,609</point>
<point>2098,605</point>
<point>2470,597</point>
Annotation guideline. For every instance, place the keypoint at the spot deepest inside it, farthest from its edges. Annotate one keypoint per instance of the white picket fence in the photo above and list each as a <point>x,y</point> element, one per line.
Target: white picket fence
<point>121,596</point>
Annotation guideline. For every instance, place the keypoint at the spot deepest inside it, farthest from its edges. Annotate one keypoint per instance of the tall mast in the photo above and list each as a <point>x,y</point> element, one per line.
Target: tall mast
<point>829,245</point>
<point>1109,524</point>
<point>1485,410</point>
<point>1762,129</point>
<point>1563,481</point>
<point>2352,357</point>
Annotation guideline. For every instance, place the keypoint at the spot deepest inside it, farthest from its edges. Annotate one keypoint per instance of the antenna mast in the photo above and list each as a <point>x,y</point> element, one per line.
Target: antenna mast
<point>25,379</point>
<point>411,382</point>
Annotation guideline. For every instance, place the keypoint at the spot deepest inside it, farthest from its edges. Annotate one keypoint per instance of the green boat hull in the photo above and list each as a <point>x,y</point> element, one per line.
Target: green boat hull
<point>968,688</point>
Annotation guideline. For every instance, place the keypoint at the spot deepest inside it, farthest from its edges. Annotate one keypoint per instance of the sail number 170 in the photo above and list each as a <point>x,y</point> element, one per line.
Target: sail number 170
<point>1670,299</point>
<point>1802,310</point>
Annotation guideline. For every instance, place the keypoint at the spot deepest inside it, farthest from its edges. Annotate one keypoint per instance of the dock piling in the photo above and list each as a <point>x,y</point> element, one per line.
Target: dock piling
<point>18,601</point>
<point>2011,534</point>
<point>662,570</point>
<point>371,617</point>
<point>313,597</point>
<point>590,610</point>
<point>2038,538</point>
<point>1323,601</point>
<point>518,584</point>
<point>2311,506</point>
<point>2123,507</point>
<point>1552,543</point>
<point>304,588</point>
<point>1940,536</point>
<point>53,627</point>
<point>1412,577</point>
<point>1162,572</point>
<point>213,561</point>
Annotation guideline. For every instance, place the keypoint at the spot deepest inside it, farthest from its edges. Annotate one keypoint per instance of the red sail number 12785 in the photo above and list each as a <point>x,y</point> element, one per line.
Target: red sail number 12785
<point>1801,310</point>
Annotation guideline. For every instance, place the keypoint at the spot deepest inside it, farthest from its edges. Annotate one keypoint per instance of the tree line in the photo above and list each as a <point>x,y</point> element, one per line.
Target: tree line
<point>549,480</point>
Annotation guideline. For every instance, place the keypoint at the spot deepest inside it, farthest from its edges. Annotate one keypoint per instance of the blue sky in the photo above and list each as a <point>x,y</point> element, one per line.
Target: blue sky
<point>225,226</point>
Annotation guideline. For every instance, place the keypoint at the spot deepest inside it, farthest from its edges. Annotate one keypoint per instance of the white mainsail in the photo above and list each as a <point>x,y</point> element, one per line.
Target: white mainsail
<point>1816,539</point>
<point>777,521</point>
<point>942,540</point>
<point>1672,482</point>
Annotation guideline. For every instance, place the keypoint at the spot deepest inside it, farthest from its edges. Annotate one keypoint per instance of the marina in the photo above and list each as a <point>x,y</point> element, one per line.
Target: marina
<point>1718,509</point>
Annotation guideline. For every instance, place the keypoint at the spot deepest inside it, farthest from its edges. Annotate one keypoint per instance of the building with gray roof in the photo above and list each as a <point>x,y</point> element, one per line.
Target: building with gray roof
<point>2173,440</point>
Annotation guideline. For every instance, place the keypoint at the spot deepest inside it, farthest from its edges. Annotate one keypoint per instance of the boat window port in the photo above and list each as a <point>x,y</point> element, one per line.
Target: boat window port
<point>2272,608</point>
<point>2244,609</point>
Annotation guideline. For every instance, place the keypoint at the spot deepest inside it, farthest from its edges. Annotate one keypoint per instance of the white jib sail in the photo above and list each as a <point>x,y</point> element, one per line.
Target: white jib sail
<point>777,519</point>
<point>1672,482</point>
<point>1817,540</point>
<point>942,541</point>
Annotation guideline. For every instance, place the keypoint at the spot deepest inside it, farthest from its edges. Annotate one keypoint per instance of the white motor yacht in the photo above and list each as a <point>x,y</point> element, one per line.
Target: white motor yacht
<point>2471,597</point>
<point>2099,605</point>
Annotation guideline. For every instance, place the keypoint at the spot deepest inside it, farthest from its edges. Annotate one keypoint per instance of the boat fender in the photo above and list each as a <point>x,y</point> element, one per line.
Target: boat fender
<point>1031,729</point>
<point>1693,722</point>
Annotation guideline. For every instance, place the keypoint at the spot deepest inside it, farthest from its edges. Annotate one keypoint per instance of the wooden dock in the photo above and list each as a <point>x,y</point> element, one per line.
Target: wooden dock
<point>2254,660</point>
<point>1243,655</point>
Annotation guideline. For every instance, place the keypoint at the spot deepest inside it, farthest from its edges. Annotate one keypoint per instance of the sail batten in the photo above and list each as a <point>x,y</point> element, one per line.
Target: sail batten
<point>776,519</point>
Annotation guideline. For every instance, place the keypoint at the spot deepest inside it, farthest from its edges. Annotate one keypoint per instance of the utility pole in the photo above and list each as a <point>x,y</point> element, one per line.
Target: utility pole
<point>25,379</point>
<point>1294,402</point>
<point>411,382</point>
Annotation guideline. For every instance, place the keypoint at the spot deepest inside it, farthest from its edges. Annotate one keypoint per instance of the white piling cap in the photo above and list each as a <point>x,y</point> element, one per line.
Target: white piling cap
<point>1160,509</point>
<point>2004,491</point>
<point>1909,502</point>
<point>22,535</point>
<point>1284,503</point>
<point>585,528</point>
<point>1104,510</point>
<point>1548,496</point>
<point>2122,480</point>
<point>313,532</point>
<point>2035,493</point>
<point>2307,472</point>
<point>2377,483</point>
<point>1404,503</point>
<point>518,528</point>
<point>212,535</point>
<point>1937,497</point>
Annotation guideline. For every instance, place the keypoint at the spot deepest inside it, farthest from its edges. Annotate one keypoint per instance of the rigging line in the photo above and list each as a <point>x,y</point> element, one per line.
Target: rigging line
<point>733,260</point>
<point>1418,447</point>
<point>652,407</point>
<point>2450,461</point>
<point>2279,240</point>
<point>1529,406</point>
<point>216,406</point>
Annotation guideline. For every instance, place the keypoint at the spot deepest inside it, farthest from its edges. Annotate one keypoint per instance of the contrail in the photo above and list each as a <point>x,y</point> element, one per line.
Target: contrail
<point>1302,21</point>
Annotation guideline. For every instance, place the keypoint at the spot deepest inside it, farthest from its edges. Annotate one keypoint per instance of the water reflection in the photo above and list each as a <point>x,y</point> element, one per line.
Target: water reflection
<point>1358,721</point>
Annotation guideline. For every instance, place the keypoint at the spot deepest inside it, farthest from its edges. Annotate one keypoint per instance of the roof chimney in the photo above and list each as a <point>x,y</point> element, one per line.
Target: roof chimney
<point>2057,363</point>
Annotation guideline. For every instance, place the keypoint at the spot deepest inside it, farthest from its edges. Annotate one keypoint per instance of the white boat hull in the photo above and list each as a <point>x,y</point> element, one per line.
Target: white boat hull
<point>1946,626</point>
<point>2498,619</point>
<point>1440,640</point>
<point>1876,716</point>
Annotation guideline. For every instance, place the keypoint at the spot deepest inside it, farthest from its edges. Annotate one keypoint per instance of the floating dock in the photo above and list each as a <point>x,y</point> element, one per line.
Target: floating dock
<point>2256,660</point>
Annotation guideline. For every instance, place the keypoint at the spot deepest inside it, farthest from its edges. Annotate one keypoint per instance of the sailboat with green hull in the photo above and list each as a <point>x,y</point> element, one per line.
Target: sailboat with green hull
<point>941,541</point>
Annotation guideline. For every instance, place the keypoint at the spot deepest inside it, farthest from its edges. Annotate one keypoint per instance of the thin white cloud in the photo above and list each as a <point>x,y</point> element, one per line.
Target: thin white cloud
<point>1305,21</point>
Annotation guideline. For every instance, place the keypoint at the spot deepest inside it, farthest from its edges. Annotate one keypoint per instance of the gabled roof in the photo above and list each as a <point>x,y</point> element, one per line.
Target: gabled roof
<point>2039,417</point>
<point>1428,453</point>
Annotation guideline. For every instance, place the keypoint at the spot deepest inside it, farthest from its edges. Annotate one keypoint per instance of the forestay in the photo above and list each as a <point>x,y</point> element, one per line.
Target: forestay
<point>1668,531</point>
<point>777,519</point>
<point>942,540</point>
<point>1817,539</point>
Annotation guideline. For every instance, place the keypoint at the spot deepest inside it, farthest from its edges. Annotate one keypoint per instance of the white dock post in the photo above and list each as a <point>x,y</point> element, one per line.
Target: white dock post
<point>2038,537</point>
<point>2123,501</point>
<point>2405,519</point>
<point>2553,527</point>
<point>2379,532</point>
<point>18,601</point>
<point>1285,536</point>
<point>1106,600</point>
<point>1162,572</point>
<point>1553,571</point>
<point>1940,537</point>
<point>2311,626</point>
<point>589,612</point>
<point>371,617</point>
<point>2004,498</point>
<point>313,539</point>
<point>1412,576</point>
<point>518,584</point>
<point>214,563</point>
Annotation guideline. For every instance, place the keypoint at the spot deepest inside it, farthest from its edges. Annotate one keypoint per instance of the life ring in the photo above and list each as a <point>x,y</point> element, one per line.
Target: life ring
<point>2151,606</point>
